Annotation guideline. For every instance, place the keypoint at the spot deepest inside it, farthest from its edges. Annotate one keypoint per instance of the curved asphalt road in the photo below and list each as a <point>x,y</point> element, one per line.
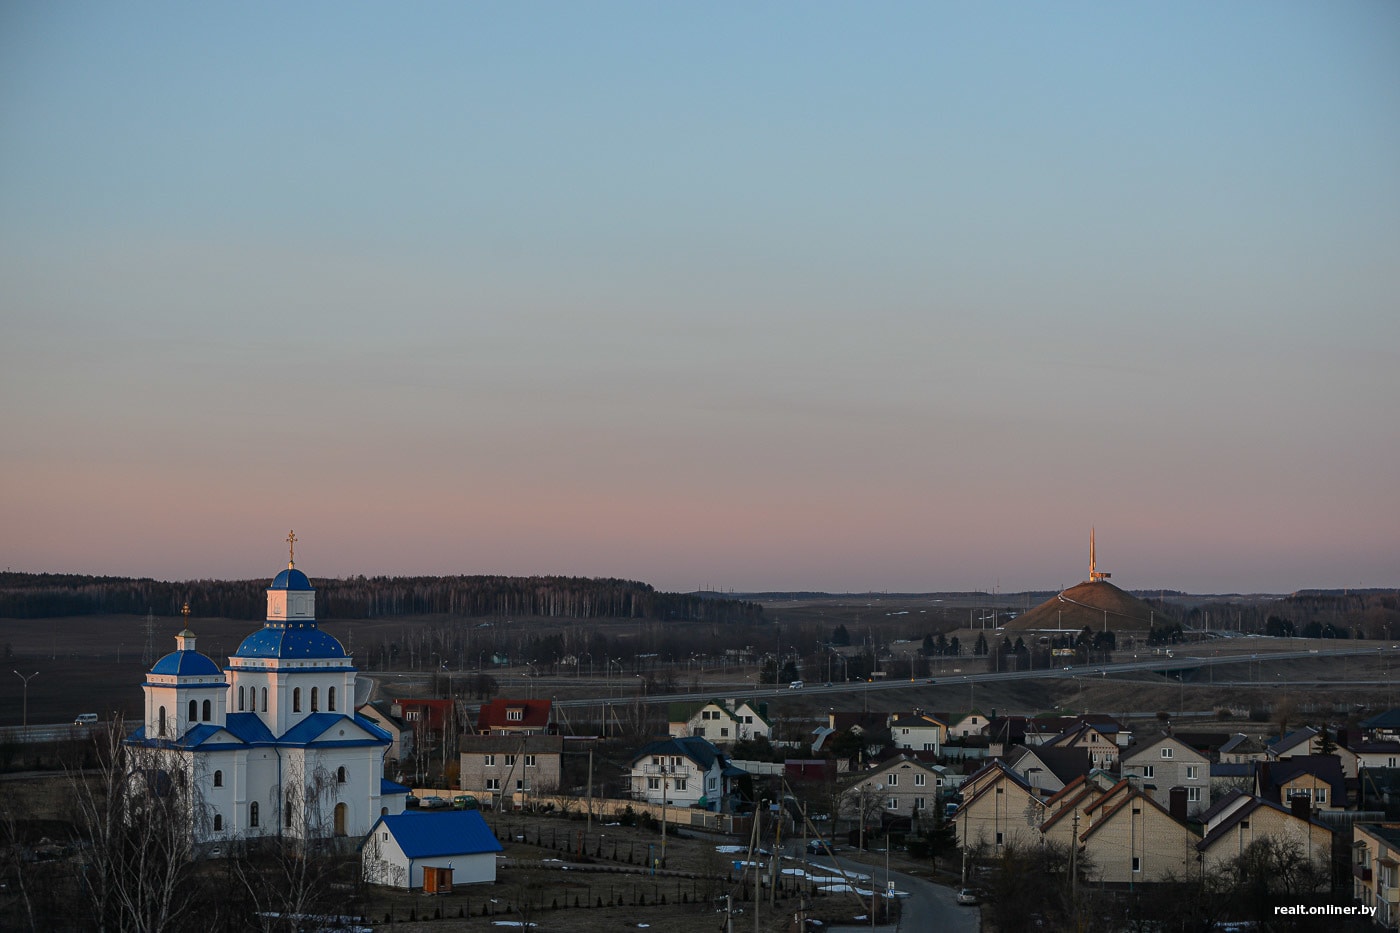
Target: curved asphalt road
<point>929,906</point>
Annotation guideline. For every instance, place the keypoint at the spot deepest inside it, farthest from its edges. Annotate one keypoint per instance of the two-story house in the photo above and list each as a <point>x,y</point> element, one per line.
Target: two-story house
<point>687,771</point>
<point>902,787</point>
<point>999,808</point>
<point>918,731</point>
<point>1132,839</point>
<point>389,717</point>
<point>1249,819</point>
<point>1102,748</point>
<point>1375,859</point>
<point>1316,777</point>
<point>1047,768</point>
<point>1166,762</point>
<point>510,766</point>
<point>721,722</point>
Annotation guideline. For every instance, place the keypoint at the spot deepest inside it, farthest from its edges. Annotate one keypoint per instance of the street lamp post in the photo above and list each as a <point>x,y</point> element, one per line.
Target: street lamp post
<point>26,700</point>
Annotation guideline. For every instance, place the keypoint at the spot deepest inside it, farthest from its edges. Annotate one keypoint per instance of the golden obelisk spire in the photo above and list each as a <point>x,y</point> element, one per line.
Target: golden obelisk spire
<point>291,549</point>
<point>1094,575</point>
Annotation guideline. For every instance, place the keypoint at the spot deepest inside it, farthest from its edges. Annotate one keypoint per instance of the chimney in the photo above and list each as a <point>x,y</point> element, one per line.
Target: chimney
<point>1301,805</point>
<point>1178,804</point>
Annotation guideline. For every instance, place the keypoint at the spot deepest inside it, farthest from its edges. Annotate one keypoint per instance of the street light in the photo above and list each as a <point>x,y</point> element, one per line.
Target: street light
<point>26,700</point>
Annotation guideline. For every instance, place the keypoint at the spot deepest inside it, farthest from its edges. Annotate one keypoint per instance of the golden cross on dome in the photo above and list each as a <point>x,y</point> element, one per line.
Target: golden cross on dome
<point>186,612</point>
<point>291,549</point>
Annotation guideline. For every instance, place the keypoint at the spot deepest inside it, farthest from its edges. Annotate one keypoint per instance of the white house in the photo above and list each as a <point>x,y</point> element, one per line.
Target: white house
<point>721,722</point>
<point>398,848</point>
<point>687,771</point>
<point>269,746</point>
<point>918,731</point>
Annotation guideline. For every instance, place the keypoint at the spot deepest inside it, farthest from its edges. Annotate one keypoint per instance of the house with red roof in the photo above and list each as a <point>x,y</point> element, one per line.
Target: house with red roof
<point>515,717</point>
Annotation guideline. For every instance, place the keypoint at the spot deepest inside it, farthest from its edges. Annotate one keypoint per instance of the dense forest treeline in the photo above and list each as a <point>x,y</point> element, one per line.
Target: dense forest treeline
<point>33,596</point>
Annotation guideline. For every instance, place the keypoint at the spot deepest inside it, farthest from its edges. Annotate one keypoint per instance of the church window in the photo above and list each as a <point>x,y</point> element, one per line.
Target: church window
<point>296,700</point>
<point>207,711</point>
<point>340,775</point>
<point>315,700</point>
<point>218,779</point>
<point>330,699</point>
<point>288,809</point>
<point>194,710</point>
<point>160,727</point>
<point>218,823</point>
<point>253,813</point>
<point>264,699</point>
<point>240,699</point>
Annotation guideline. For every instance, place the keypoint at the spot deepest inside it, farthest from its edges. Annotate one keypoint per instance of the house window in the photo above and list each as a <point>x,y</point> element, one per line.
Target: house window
<point>218,823</point>
<point>296,700</point>
<point>892,803</point>
<point>748,721</point>
<point>919,803</point>
<point>930,747</point>
<point>724,732</point>
<point>700,731</point>
<point>253,813</point>
<point>919,780</point>
<point>893,780</point>
<point>1137,863</point>
<point>1167,752</point>
<point>680,783</point>
<point>207,711</point>
<point>529,761</point>
<point>515,715</point>
<point>410,715</point>
<point>1320,794</point>
<point>521,785</point>
<point>330,699</point>
<point>1193,795</point>
<point>240,699</point>
<point>510,761</point>
<point>675,761</point>
<point>493,783</point>
<point>315,700</point>
<point>340,775</point>
<point>1193,772</point>
<point>218,779</point>
<point>998,838</point>
<point>653,783</point>
<point>488,760</point>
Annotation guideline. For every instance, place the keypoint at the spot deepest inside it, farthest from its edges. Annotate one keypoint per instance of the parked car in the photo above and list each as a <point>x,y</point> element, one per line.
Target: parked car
<point>465,802</point>
<point>433,803</point>
<point>968,897</point>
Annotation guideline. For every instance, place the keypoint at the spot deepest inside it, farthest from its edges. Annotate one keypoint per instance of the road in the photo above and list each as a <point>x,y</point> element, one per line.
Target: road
<point>929,906</point>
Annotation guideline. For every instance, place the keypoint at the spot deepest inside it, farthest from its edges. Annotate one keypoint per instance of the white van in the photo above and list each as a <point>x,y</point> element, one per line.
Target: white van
<point>86,719</point>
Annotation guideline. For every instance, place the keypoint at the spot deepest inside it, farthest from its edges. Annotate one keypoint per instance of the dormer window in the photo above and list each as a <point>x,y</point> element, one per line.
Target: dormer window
<point>515,715</point>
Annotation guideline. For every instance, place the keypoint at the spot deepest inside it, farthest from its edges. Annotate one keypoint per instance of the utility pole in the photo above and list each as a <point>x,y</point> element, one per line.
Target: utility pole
<point>26,700</point>
<point>590,790</point>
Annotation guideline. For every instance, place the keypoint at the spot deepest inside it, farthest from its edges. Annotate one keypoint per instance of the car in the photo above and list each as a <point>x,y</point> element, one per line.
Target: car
<point>968,897</point>
<point>817,847</point>
<point>465,802</point>
<point>433,803</point>
<point>930,681</point>
<point>796,685</point>
<point>85,719</point>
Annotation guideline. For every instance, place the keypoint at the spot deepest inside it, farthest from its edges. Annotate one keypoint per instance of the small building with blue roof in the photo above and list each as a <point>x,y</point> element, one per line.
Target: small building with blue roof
<point>269,745</point>
<point>398,848</point>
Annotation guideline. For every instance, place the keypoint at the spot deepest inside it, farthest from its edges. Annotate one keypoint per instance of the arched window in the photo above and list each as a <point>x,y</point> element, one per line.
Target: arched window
<point>296,700</point>
<point>207,714</point>
<point>315,700</point>
<point>341,812</point>
<point>253,813</point>
<point>160,728</point>
<point>240,699</point>
<point>340,775</point>
<point>383,811</point>
<point>264,699</point>
<point>330,699</point>
<point>218,779</point>
<point>218,823</point>
<point>288,809</point>
<point>194,710</point>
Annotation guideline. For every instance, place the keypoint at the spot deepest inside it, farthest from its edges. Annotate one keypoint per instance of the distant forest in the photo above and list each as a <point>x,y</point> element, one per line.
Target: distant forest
<point>45,595</point>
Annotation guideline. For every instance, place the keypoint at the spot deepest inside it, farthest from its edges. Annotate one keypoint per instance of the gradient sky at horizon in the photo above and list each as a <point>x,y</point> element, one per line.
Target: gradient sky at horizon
<point>825,296</point>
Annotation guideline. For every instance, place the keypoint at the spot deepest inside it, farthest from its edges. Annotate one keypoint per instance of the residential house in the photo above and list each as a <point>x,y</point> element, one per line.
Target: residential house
<point>515,717</point>
<point>1066,807</point>
<point>1102,748</point>
<point>389,717</point>
<point>1049,768</point>
<point>961,725</point>
<point>999,808</point>
<point>1249,819</point>
<point>917,731</point>
<point>1304,741</point>
<point>1376,754</point>
<point>1133,839</point>
<point>903,787</point>
<point>512,766</point>
<point>1383,727</point>
<point>399,851</point>
<point>1242,749</point>
<point>688,771</point>
<point>1316,777</point>
<point>1167,762</point>
<point>1375,859</point>
<point>723,723</point>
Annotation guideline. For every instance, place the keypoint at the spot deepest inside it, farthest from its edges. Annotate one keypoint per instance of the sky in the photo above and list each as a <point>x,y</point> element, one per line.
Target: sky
<point>749,296</point>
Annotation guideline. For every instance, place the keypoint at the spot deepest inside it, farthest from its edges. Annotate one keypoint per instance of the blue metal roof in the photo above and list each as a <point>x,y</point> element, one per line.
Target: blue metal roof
<point>388,788</point>
<point>290,640</point>
<point>186,664</point>
<point>291,579</point>
<point>248,727</point>
<point>453,832</point>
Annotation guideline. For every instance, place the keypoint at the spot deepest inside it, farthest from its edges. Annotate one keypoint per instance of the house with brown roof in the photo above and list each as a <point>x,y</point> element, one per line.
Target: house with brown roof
<point>515,717</point>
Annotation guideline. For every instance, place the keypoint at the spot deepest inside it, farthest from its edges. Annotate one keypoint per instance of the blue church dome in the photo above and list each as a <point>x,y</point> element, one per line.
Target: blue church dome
<point>295,641</point>
<point>291,579</point>
<point>186,664</point>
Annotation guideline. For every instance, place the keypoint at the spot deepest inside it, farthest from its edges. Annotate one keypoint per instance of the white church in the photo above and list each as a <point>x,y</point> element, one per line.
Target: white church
<point>268,746</point>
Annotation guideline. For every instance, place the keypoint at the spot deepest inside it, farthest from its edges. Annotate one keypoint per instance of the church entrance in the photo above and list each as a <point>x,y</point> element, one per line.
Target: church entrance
<point>340,811</point>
